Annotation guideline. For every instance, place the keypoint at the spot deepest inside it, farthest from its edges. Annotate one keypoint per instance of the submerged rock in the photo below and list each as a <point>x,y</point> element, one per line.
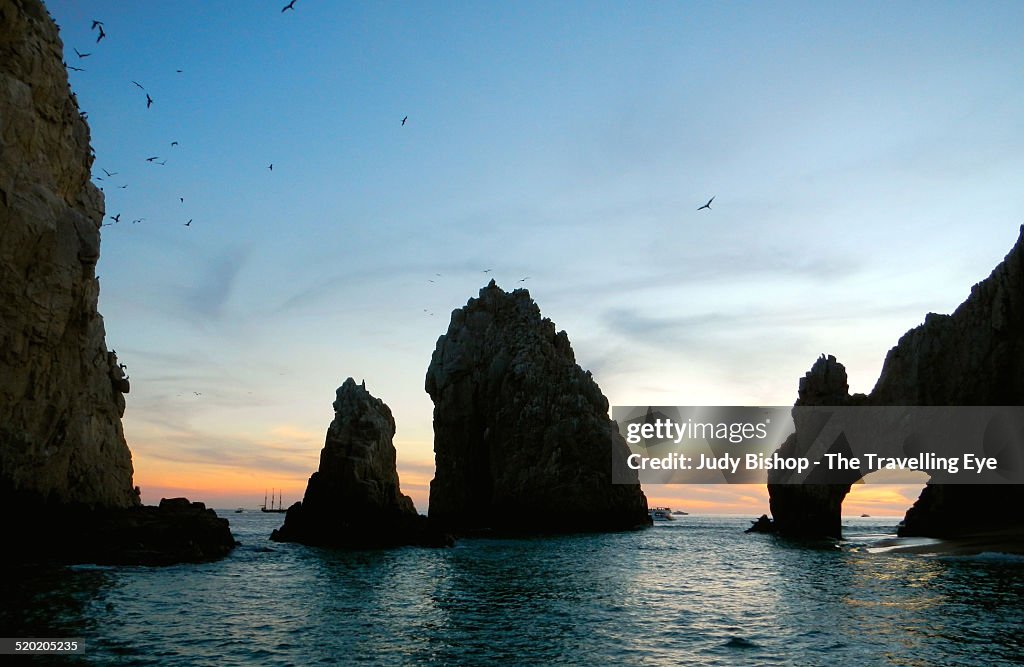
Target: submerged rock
<point>522,437</point>
<point>353,499</point>
<point>974,356</point>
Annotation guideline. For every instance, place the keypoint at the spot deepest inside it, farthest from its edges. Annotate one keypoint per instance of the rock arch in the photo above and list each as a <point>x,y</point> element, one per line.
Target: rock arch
<point>973,357</point>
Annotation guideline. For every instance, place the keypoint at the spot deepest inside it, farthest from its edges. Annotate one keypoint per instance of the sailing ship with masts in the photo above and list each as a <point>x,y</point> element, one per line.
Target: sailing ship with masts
<point>280,504</point>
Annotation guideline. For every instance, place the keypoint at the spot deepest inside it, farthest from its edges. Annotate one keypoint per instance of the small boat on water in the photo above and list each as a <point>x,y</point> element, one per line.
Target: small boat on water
<point>239,510</point>
<point>680,512</point>
<point>280,505</point>
<point>661,514</point>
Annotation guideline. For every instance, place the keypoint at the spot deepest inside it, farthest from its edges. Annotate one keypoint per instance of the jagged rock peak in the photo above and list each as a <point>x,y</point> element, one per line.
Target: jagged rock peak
<point>61,402</point>
<point>359,455</point>
<point>354,498</point>
<point>522,437</point>
<point>824,384</point>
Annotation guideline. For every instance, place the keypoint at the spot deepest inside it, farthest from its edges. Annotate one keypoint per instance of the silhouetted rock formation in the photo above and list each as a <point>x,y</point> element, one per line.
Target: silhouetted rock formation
<point>522,438</point>
<point>60,408</point>
<point>177,531</point>
<point>354,499</point>
<point>973,357</point>
<point>811,510</point>
<point>65,468</point>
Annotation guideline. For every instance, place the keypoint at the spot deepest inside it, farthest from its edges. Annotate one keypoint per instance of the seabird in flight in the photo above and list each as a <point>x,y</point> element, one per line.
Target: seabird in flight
<point>271,167</point>
<point>290,5</point>
<point>149,101</point>
<point>403,121</point>
<point>707,206</point>
<point>109,174</point>
<point>189,223</point>
<point>101,36</point>
<point>138,84</point>
<point>95,24</point>
<point>77,69</point>
<point>82,55</point>
<point>116,218</point>
<point>153,159</point>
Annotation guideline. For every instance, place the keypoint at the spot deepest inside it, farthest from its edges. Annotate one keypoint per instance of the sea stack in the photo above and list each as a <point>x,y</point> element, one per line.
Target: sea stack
<point>974,356</point>
<point>522,437</point>
<point>353,500</point>
<point>65,467</point>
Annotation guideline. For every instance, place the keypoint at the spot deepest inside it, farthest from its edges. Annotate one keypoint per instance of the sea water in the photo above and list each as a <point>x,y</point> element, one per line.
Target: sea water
<point>692,591</point>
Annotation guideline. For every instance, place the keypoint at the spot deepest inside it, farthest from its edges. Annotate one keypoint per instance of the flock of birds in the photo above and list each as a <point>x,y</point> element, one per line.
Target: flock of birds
<point>98,27</point>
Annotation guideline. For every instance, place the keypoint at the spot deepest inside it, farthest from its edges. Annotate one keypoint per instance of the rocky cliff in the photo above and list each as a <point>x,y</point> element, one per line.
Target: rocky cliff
<point>974,356</point>
<point>522,438</point>
<point>354,499</point>
<point>65,468</point>
<point>60,389</point>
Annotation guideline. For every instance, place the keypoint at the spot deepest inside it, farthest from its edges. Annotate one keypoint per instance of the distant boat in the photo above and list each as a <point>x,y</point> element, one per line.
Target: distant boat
<point>661,514</point>
<point>280,505</point>
<point>681,512</point>
<point>865,516</point>
<point>239,510</point>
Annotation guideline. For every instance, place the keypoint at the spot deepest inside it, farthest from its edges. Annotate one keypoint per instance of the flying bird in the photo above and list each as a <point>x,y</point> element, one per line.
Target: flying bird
<point>707,206</point>
<point>403,121</point>
<point>123,186</point>
<point>174,143</point>
<point>290,5</point>
<point>77,69</point>
<point>138,220</point>
<point>109,174</point>
<point>523,280</point>
<point>271,167</point>
<point>161,163</point>
<point>153,159</point>
<point>96,24</point>
<point>189,223</point>
<point>138,84</point>
<point>116,218</point>
<point>101,35</point>
<point>149,101</point>
<point>181,199</point>
<point>82,55</point>
<point>488,270</point>
<point>178,71</point>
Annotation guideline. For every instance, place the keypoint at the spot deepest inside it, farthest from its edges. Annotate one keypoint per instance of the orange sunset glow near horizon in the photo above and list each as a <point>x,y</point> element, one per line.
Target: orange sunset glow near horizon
<point>223,488</point>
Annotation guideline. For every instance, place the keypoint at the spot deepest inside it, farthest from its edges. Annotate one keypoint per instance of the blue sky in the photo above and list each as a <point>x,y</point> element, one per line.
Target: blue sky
<point>865,160</point>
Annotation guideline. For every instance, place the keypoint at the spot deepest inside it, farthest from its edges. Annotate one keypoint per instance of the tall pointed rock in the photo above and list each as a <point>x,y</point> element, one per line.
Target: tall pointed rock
<point>354,500</point>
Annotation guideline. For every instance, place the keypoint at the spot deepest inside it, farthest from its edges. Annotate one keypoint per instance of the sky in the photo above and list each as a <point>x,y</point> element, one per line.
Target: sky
<point>864,159</point>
